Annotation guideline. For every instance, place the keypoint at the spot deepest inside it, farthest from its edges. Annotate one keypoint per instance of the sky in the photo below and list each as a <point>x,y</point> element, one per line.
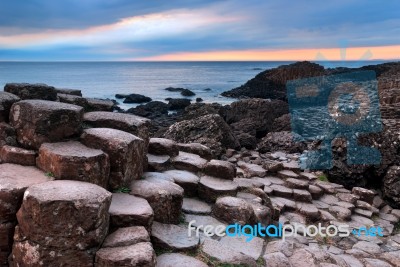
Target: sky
<point>184,30</point>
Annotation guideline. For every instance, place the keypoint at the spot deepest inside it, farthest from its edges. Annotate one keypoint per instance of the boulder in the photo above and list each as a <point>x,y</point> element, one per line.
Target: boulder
<point>136,98</point>
<point>125,122</point>
<point>164,197</point>
<point>7,135</point>
<point>73,99</point>
<point>6,101</point>
<point>187,180</point>
<point>173,237</point>
<point>162,146</point>
<point>158,162</point>
<point>196,110</point>
<point>210,188</point>
<point>234,210</point>
<point>221,169</point>
<point>73,161</point>
<point>189,162</point>
<point>196,148</point>
<point>96,104</point>
<point>280,141</point>
<point>32,91</point>
<point>178,103</point>
<point>67,91</point>
<point>39,121</point>
<point>209,130</point>
<point>17,155</point>
<point>391,186</point>
<point>150,110</point>
<point>187,92</point>
<point>126,236</point>
<point>126,153</point>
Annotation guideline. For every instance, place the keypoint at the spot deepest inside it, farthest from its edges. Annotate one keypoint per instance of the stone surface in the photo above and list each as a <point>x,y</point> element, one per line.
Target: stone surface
<point>138,255</point>
<point>7,135</point>
<point>17,155</point>
<point>252,170</point>
<point>6,101</point>
<point>252,248</point>
<point>233,210</point>
<point>276,259</point>
<point>126,153</point>
<point>296,183</point>
<point>210,188</point>
<point>73,161</point>
<point>158,162</point>
<point>121,121</point>
<point>196,148</point>
<point>96,104</point>
<point>282,191</point>
<point>302,195</point>
<point>221,169</point>
<point>188,162</point>
<point>195,206</point>
<point>162,146</point>
<point>340,212</point>
<point>126,236</point>
<point>173,237</point>
<point>178,260</point>
<point>308,210</point>
<point>391,185</point>
<point>127,210</point>
<point>200,221</point>
<point>187,180</point>
<point>163,196</point>
<point>39,121</point>
<point>364,194</point>
<point>32,91</point>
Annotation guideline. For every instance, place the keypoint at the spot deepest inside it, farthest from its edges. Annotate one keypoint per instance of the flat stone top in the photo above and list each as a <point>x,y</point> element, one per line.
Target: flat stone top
<point>71,149</point>
<point>66,190</point>
<point>111,134</point>
<point>127,236</point>
<point>128,204</point>
<point>121,117</point>
<point>217,183</point>
<point>231,202</point>
<point>154,186</point>
<point>4,96</point>
<point>50,105</point>
<point>182,176</point>
<point>16,176</point>
<point>178,260</point>
<point>190,158</point>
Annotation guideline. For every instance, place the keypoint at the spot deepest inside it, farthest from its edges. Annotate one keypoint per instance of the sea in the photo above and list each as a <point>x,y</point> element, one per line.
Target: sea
<point>105,79</point>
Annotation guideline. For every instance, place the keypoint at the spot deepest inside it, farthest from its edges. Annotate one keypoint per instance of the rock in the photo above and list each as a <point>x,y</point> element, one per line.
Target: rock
<point>187,180</point>
<point>17,155</point>
<point>194,206</point>
<point>276,259</point>
<point>202,220</point>
<point>281,123</point>
<point>150,110</point>
<point>282,191</point>
<point>252,248</point>
<point>158,162</point>
<point>14,179</point>
<point>127,210</point>
<point>233,210</point>
<point>391,257</point>
<point>178,260</point>
<point>136,98</point>
<point>178,103</point>
<point>125,122</point>
<point>303,258</point>
<point>351,260</point>
<point>220,169</point>
<point>209,130</point>
<point>6,240</point>
<point>173,237</point>
<point>138,255</point>
<point>391,185</point>
<point>302,195</point>
<point>368,247</point>
<point>73,161</point>
<point>315,191</point>
<point>199,99</point>
<point>224,254</point>
<point>271,84</point>
<point>196,148</point>
<point>309,210</point>
<point>126,236</point>
<point>340,212</point>
<point>196,110</point>
<point>189,162</point>
<point>364,194</point>
<point>126,153</point>
<point>286,247</point>
<point>350,198</point>
<point>95,104</point>
<point>296,183</point>
<point>6,101</point>
<point>157,175</point>
<point>163,196</point>
<point>280,141</point>
<point>38,121</point>
<point>210,188</point>
<point>32,91</point>
<point>174,89</point>
<point>7,135</point>
<point>252,170</point>
<point>72,215</point>
<point>187,92</point>
<point>69,91</point>
<point>162,146</point>
<point>369,262</point>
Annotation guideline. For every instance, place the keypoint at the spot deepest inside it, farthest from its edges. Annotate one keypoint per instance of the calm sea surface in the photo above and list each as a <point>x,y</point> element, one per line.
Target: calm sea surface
<point>105,79</point>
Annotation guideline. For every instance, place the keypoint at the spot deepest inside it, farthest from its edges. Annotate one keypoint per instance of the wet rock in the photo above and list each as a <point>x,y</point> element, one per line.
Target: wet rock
<point>6,101</point>
<point>189,162</point>
<point>178,260</point>
<point>126,236</point>
<point>126,153</point>
<point>220,169</point>
<point>38,121</point>
<point>178,103</point>
<point>162,146</point>
<point>32,91</point>
<point>17,155</point>
<point>187,180</point>
<point>163,196</point>
<point>210,188</point>
<point>127,210</point>
<point>173,237</point>
<point>187,92</point>
<point>136,98</point>
<point>138,255</point>
<point>233,210</point>
<point>73,161</point>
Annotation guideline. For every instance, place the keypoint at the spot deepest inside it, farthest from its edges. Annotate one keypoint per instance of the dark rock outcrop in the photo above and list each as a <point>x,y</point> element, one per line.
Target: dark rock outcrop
<point>178,103</point>
<point>280,141</point>
<point>6,101</point>
<point>135,98</point>
<point>32,91</point>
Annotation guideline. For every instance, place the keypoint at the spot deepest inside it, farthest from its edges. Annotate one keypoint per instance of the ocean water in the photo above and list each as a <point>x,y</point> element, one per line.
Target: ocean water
<point>105,79</point>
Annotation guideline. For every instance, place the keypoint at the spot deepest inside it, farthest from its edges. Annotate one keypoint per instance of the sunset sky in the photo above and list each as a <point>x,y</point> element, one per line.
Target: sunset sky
<point>108,30</point>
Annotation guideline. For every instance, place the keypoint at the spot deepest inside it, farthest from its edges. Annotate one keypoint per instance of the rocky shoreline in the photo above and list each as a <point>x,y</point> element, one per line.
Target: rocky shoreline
<point>81,185</point>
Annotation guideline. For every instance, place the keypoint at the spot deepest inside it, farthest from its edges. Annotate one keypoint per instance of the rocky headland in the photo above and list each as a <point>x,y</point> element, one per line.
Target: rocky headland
<point>83,183</point>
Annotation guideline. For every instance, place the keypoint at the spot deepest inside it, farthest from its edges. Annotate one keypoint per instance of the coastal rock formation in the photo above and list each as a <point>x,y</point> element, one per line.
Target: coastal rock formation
<point>6,101</point>
<point>32,91</point>
<point>7,135</point>
<point>134,98</point>
<point>209,130</point>
<point>40,121</point>
<point>280,141</point>
<point>178,103</point>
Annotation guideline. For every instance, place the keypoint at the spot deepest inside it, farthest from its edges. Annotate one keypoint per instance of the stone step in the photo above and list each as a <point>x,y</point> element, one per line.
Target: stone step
<point>178,260</point>
<point>220,169</point>
<point>252,170</point>
<point>17,155</point>
<point>173,237</point>
<point>158,162</point>
<point>32,91</point>
<point>252,248</point>
<point>126,236</point>
<point>196,148</point>
<point>210,188</point>
<point>234,210</point>
<point>39,121</point>
<point>164,197</point>
<point>187,180</point>
<point>127,210</point>
<point>126,153</point>
<point>163,146</point>
<point>189,162</point>
<point>73,161</point>
<point>195,206</point>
